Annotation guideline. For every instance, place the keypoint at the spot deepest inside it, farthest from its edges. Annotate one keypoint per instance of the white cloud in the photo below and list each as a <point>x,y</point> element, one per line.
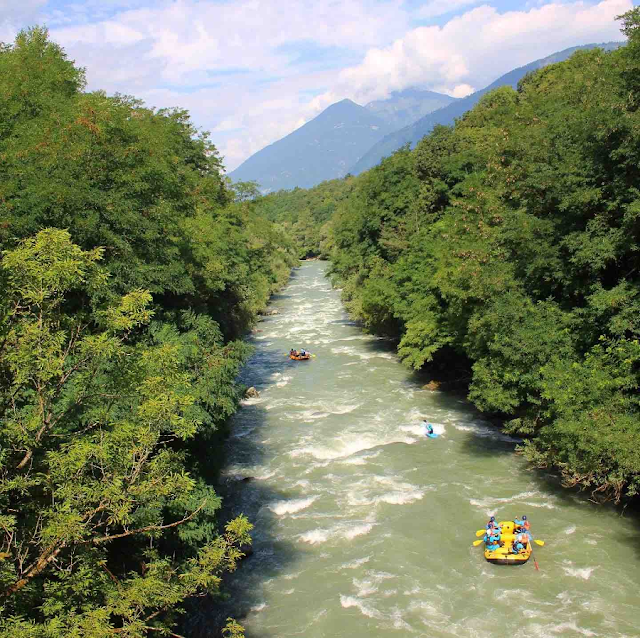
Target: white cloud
<point>478,47</point>
<point>16,13</point>
<point>460,90</point>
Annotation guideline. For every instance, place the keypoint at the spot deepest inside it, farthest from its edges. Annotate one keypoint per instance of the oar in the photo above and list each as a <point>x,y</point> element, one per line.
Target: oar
<point>476,543</point>
<point>535,562</point>
<point>537,542</point>
<point>481,532</point>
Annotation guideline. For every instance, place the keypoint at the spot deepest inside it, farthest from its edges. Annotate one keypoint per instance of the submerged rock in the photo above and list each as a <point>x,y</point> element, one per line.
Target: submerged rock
<point>432,385</point>
<point>251,393</point>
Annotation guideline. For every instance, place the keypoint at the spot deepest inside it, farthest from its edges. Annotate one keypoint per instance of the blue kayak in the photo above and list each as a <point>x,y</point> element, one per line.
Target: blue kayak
<point>432,434</point>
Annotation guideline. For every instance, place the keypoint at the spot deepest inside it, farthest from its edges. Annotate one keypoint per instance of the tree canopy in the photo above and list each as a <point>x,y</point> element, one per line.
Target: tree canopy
<point>129,270</point>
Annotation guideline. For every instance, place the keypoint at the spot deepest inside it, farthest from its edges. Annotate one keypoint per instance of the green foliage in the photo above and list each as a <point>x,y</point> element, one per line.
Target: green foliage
<point>119,353</point>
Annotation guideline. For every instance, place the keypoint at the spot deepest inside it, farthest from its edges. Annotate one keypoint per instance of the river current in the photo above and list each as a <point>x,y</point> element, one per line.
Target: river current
<point>364,526</point>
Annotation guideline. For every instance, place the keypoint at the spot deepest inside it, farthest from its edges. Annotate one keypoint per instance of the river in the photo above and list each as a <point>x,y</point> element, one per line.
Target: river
<point>364,526</point>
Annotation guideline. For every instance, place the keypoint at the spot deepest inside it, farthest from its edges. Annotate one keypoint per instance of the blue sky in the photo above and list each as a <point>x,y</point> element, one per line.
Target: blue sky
<point>251,71</point>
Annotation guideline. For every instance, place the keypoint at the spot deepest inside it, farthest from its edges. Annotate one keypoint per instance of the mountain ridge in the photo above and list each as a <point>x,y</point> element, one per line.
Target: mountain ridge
<point>321,149</point>
<point>447,115</point>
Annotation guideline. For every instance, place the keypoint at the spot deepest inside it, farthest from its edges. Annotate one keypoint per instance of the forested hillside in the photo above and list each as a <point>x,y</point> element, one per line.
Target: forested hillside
<point>128,274</point>
<point>506,249</point>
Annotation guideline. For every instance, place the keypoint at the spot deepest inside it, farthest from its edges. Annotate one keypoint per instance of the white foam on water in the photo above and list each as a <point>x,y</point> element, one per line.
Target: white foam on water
<point>290,507</point>
<point>390,491</point>
<point>579,572</point>
<point>563,628</point>
<point>591,541</point>
<point>570,530</point>
<point>315,536</point>
<point>361,460</point>
<point>354,564</point>
<point>258,607</point>
<point>485,432</point>
<point>264,475</point>
<point>345,448</point>
<point>351,351</point>
<point>283,381</point>
<point>398,621</point>
<point>358,530</point>
<point>365,587</point>
<point>252,401</point>
<point>491,504</point>
<point>366,610</point>
<point>428,609</point>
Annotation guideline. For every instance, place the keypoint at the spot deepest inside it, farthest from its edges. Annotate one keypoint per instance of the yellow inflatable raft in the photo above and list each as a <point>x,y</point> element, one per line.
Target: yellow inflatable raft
<point>503,555</point>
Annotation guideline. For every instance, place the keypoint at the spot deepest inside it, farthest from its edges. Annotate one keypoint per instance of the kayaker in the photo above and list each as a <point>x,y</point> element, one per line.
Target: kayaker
<point>429,427</point>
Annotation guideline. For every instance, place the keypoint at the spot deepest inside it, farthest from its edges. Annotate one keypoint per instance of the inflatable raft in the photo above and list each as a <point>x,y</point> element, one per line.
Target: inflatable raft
<point>299,357</point>
<point>503,555</point>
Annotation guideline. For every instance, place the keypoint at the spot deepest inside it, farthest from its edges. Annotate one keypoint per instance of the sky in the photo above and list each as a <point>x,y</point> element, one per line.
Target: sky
<point>252,71</point>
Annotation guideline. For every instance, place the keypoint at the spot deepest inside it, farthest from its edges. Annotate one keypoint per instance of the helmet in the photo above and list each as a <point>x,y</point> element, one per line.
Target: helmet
<point>524,518</point>
<point>493,518</point>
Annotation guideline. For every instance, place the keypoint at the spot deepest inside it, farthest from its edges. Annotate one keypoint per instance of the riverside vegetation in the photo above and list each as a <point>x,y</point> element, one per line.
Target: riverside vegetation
<point>507,248</point>
<point>129,271</point>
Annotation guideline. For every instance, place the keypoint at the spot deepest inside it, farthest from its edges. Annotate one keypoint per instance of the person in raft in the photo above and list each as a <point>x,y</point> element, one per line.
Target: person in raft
<point>492,540</point>
<point>521,524</point>
<point>293,353</point>
<point>519,543</point>
<point>303,352</point>
<point>493,524</point>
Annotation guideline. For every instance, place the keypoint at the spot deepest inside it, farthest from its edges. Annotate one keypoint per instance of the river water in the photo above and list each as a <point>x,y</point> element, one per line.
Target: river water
<point>364,526</point>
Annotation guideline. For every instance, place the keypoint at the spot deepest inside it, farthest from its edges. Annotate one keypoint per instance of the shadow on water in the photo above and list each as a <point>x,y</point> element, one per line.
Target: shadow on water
<point>243,493</point>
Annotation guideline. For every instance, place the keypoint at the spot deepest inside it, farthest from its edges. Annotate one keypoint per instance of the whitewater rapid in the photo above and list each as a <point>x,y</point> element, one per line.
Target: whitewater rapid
<point>364,526</point>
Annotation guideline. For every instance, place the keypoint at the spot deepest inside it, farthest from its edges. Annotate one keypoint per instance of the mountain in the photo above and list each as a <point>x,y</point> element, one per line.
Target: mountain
<point>447,115</point>
<point>322,149</point>
<point>402,108</point>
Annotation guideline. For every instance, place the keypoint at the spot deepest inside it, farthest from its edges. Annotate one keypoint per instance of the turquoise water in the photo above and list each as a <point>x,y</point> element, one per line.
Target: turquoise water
<point>364,526</point>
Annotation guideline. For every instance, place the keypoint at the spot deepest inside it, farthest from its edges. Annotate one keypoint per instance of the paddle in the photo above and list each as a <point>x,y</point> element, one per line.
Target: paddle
<point>481,532</point>
<point>476,543</point>
<point>537,542</point>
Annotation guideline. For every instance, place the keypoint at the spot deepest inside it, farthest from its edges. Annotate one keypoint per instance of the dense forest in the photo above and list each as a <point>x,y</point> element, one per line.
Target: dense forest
<point>505,251</point>
<point>130,269</point>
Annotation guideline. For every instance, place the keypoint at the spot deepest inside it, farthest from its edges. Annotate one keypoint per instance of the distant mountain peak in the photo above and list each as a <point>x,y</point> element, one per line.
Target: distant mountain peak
<point>321,149</point>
